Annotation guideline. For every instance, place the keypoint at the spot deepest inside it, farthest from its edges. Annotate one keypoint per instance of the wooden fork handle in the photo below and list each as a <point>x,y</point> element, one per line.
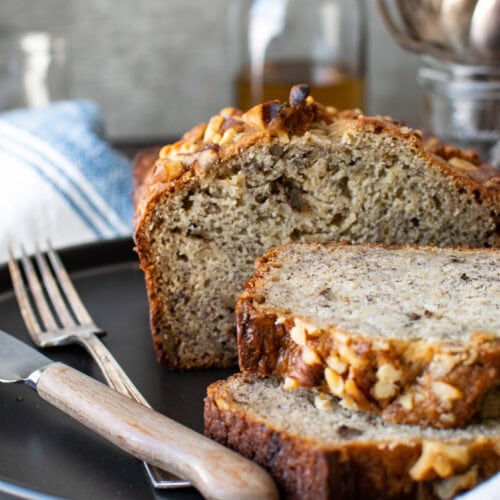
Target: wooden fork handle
<point>214,470</point>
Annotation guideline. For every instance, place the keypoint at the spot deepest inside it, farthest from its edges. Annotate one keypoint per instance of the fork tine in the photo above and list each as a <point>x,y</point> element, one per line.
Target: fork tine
<point>53,291</point>
<point>37,293</point>
<point>72,295</point>
<point>22,297</point>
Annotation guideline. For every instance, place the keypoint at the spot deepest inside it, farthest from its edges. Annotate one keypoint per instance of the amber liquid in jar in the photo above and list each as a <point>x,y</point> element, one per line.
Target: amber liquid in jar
<point>330,84</point>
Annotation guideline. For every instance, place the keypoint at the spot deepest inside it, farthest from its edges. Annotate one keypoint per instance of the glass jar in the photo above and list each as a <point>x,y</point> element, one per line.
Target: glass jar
<point>32,70</point>
<point>460,67</point>
<point>462,105</point>
<point>278,43</point>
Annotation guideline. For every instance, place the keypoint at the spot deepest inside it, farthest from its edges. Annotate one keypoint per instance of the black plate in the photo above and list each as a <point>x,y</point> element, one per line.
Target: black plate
<point>44,452</point>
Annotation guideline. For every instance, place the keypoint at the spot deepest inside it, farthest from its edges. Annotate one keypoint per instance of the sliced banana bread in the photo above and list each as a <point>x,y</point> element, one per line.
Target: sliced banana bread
<point>231,189</point>
<point>410,332</point>
<point>315,449</point>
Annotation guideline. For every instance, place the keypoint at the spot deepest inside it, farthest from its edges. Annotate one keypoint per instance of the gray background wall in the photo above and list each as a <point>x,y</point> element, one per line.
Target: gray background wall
<point>158,66</point>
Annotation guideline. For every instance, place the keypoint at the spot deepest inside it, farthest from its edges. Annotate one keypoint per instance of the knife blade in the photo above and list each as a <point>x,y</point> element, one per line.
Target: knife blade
<point>18,360</point>
<point>214,470</point>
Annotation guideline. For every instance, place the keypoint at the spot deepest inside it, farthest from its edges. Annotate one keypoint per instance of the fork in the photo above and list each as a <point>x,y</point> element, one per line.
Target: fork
<point>73,325</point>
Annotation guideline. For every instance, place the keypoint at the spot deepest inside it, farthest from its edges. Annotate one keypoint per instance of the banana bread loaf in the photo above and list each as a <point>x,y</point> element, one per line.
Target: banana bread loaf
<point>245,182</point>
<point>315,449</point>
<point>410,332</point>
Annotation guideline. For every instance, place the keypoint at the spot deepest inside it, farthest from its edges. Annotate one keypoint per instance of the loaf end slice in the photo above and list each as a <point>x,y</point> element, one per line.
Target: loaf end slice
<point>317,450</point>
<point>409,332</point>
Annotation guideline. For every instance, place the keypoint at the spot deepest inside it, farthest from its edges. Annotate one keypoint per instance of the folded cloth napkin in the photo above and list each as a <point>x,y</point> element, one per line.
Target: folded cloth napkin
<point>59,179</point>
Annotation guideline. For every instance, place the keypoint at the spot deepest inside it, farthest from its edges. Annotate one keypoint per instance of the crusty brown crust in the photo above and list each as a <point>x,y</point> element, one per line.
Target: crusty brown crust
<point>206,150</point>
<point>266,348</point>
<point>142,163</point>
<point>305,469</point>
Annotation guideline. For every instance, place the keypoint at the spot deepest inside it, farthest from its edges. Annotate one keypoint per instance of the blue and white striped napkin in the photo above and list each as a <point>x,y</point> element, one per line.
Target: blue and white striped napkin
<point>59,179</point>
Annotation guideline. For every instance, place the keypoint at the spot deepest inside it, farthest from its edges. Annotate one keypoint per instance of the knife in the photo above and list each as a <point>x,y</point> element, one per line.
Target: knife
<point>214,470</point>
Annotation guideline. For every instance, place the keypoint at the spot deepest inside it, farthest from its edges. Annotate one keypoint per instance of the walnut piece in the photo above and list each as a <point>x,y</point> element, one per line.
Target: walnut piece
<point>446,393</point>
<point>448,488</point>
<point>387,377</point>
<point>335,382</point>
<point>439,459</point>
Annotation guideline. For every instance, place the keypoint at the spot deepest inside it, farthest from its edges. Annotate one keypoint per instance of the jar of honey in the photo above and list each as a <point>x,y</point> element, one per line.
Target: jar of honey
<point>278,43</point>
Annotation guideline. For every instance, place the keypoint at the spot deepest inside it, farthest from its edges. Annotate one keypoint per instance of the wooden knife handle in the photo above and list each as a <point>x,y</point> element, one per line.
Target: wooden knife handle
<point>214,470</point>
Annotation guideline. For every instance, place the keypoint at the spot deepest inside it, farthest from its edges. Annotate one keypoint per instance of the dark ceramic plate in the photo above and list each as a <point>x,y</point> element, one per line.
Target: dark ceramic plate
<point>44,453</point>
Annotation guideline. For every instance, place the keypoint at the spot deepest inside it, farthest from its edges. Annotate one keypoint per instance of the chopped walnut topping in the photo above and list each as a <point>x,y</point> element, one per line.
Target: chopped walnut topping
<point>472,358</point>
<point>349,403</point>
<point>406,377</point>
<point>323,402</point>
<point>446,392</point>
<point>418,397</point>
<point>298,334</point>
<point>447,418</point>
<point>255,117</point>
<point>336,364</point>
<point>443,363</point>
<point>419,352</point>
<point>439,459</point>
<point>352,390</point>
<point>281,121</point>
<point>348,355</point>
<point>301,330</point>
<point>335,382</point>
<point>383,345</point>
<point>462,165</point>
<point>195,134</point>
<point>387,377</point>
<point>290,383</point>
<point>230,112</point>
<point>448,488</point>
<point>310,357</point>
<point>173,170</point>
<point>165,151</point>
<point>213,127</point>
<point>207,159</point>
<point>228,136</point>
<point>406,401</point>
<point>313,332</point>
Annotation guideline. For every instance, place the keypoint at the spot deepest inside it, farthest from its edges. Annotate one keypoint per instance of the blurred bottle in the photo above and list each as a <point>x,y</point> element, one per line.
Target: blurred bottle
<point>32,70</point>
<point>279,43</point>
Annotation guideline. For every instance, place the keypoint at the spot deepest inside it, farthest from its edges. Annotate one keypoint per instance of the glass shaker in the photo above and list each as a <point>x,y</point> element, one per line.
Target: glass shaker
<point>278,43</point>
<point>459,43</point>
<point>462,105</point>
<point>32,69</point>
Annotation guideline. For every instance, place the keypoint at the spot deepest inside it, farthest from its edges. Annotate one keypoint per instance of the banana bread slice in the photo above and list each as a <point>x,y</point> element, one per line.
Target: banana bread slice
<point>315,449</point>
<point>410,332</point>
<point>245,182</point>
